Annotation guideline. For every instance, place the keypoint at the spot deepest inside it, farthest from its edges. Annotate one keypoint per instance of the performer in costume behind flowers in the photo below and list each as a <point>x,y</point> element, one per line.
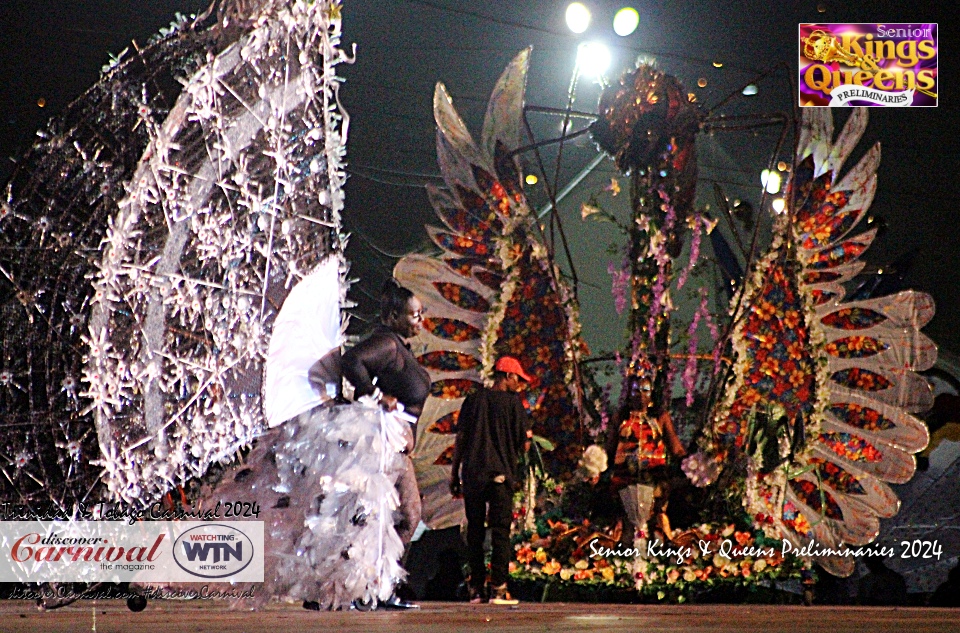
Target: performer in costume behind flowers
<point>640,447</point>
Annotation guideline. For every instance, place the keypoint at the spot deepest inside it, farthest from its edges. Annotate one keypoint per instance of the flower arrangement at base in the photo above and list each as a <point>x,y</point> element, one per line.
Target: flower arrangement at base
<point>574,556</point>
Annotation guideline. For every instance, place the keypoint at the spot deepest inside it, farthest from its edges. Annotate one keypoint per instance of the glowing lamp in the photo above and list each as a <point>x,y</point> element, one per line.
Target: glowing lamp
<point>626,21</point>
<point>593,58</point>
<point>578,17</point>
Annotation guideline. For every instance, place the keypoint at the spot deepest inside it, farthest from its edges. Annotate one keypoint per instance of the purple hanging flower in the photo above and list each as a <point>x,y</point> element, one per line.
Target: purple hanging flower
<point>690,371</point>
<point>671,375</point>
<point>620,285</point>
<point>604,410</point>
<point>694,252</point>
<point>715,335</point>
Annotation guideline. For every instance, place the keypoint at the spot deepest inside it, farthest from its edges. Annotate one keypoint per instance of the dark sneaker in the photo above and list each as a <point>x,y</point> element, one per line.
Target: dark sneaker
<point>396,603</point>
<point>478,595</point>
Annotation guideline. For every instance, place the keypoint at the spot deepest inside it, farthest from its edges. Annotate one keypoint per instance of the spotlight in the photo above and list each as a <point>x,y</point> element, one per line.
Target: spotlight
<point>593,58</point>
<point>770,180</point>
<point>626,21</point>
<point>578,17</point>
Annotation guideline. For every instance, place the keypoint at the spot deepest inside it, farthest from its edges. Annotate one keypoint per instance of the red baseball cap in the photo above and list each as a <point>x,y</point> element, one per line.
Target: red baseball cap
<point>510,365</point>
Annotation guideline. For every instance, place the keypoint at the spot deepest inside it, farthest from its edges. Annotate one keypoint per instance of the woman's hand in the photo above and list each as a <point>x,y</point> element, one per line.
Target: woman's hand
<point>389,403</point>
<point>411,440</point>
<point>674,445</point>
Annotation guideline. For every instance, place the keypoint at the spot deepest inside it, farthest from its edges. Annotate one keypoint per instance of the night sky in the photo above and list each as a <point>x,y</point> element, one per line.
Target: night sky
<point>52,50</point>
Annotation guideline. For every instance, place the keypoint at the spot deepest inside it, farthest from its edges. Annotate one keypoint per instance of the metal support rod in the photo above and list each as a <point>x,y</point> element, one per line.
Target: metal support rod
<point>570,186</point>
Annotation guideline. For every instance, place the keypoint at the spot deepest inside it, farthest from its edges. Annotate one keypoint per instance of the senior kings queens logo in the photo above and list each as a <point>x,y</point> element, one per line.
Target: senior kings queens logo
<point>868,65</point>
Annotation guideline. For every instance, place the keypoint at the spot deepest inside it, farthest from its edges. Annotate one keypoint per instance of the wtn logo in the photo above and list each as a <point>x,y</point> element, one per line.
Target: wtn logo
<point>221,551</point>
<point>213,551</point>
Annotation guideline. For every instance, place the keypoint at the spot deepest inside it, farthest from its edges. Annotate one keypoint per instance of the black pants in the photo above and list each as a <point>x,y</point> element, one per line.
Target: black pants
<point>499,518</point>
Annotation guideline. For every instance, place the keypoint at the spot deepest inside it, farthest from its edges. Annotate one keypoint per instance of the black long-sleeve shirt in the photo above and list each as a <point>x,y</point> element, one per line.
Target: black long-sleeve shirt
<point>384,355</point>
<point>491,431</point>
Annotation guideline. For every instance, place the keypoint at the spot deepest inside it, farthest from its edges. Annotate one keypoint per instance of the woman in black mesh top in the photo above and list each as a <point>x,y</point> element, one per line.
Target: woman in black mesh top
<point>383,361</point>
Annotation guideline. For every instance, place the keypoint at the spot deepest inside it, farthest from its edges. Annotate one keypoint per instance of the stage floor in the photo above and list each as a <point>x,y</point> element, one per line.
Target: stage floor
<point>109,616</point>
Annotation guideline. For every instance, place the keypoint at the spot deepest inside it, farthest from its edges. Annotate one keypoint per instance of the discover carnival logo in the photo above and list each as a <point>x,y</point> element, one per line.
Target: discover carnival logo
<point>213,551</point>
<point>868,65</point>
<point>145,552</point>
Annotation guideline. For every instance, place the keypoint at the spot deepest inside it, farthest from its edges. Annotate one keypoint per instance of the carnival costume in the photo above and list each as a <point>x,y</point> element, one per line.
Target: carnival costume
<point>323,474</point>
<point>383,361</point>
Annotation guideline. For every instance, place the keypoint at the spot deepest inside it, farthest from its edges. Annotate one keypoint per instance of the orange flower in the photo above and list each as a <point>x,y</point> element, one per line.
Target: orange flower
<point>770,366</point>
<point>822,234</point>
<point>801,525</point>
<point>583,574</point>
<point>791,319</point>
<point>525,555</point>
<point>797,378</point>
<point>551,568</point>
<point>795,350</point>
<point>742,538</point>
<point>750,397</point>
<point>450,392</point>
<point>765,310</point>
<point>767,341</point>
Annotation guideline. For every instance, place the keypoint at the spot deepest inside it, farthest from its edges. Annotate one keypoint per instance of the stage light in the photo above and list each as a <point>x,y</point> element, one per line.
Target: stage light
<point>593,58</point>
<point>770,180</point>
<point>750,90</point>
<point>531,179</point>
<point>778,205</point>
<point>773,182</point>
<point>578,17</point>
<point>626,21</point>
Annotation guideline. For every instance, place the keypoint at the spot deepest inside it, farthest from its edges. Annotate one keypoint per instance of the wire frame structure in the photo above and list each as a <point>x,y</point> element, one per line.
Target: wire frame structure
<point>52,218</point>
<point>148,241</point>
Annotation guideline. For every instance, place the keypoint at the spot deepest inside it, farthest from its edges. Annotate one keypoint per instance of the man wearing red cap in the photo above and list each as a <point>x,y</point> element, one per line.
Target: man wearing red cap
<point>493,429</point>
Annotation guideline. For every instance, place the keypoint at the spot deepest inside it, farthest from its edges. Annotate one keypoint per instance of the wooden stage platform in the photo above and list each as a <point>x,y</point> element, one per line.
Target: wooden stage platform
<point>112,616</point>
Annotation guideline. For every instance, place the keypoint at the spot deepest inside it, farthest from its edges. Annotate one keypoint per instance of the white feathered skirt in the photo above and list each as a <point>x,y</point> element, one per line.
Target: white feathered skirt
<point>325,483</point>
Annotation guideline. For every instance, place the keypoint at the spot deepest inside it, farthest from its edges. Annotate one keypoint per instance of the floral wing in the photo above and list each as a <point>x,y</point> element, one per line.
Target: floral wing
<point>491,290</point>
<point>841,373</point>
